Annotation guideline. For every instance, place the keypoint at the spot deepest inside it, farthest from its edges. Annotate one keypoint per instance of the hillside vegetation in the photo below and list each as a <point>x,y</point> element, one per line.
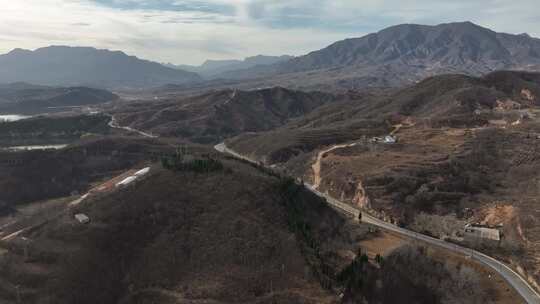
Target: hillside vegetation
<point>52,130</point>
<point>230,235</point>
<point>467,151</point>
<point>455,101</point>
<point>40,175</point>
<point>214,116</point>
<point>31,99</point>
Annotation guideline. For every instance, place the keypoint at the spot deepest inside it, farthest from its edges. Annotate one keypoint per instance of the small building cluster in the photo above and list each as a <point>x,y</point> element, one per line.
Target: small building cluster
<point>82,218</point>
<point>128,180</point>
<point>388,139</point>
<point>476,232</point>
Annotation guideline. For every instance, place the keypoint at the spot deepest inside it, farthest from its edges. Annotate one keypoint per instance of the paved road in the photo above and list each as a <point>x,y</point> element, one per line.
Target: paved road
<point>114,124</point>
<point>512,277</point>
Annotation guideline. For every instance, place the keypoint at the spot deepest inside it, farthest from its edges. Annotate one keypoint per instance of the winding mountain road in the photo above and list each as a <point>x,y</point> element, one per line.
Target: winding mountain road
<point>515,280</point>
<point>114,124</point>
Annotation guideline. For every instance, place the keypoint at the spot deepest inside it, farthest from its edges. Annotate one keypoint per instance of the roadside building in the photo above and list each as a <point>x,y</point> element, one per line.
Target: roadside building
<point>390,139</point>
<point>142,172</point>
<point>476,232</point>
<point>126,181</point>
<point>82,218</point>
<point>498,122</point>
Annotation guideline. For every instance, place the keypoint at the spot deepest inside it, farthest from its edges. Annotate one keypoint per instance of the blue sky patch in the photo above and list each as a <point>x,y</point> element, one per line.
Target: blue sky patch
<point>169,5</point>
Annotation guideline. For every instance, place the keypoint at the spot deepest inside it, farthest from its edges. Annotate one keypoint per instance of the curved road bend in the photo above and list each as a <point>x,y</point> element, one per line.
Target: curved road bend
<point>114,124</point>
<point>513,278</point>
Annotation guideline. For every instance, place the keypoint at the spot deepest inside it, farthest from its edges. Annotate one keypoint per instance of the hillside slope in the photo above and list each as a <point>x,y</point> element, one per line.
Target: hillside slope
<point>440,101</point>
<point>178,237</point>
<point>228,233</point>
<point>31,176</point>
<point>466,150</point>
<point>211,117</point>
<point>27,98</point>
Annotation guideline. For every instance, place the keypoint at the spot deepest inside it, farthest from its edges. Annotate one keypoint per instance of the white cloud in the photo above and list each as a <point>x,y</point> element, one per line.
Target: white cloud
<point>255,26</point>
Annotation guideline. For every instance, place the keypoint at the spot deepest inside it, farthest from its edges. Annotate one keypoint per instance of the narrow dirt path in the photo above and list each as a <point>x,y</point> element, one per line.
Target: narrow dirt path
<point>396,129</point>
<point>316,167</point>
<point>233,95</point>
<point>14,234</point>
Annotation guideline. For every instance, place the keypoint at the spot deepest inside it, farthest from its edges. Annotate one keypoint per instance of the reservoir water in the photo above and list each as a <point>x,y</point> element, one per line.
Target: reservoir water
<point>12,117</point>
<point>36,147</point>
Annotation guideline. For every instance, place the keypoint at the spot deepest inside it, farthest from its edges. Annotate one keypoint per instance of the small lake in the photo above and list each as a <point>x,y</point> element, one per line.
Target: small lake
<point>13,117</point>
<point>30,148</point>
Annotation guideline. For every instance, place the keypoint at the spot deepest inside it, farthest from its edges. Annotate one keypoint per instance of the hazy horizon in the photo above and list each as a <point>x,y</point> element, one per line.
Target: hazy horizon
<point>191,31</point>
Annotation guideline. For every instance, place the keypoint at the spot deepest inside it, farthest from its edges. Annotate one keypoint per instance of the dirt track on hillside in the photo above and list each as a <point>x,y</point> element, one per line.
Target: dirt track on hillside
<point>317,164</point>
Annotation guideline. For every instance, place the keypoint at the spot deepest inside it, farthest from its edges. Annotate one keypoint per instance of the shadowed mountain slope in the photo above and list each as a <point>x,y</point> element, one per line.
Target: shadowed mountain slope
<point>27,98</point>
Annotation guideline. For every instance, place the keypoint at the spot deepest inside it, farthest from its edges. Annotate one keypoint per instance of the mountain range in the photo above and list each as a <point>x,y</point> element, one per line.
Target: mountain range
<point>85,66</point>
<point>214,68</point>
<point>454,46</point>
<point>395,56</point>
<point>403,54</point>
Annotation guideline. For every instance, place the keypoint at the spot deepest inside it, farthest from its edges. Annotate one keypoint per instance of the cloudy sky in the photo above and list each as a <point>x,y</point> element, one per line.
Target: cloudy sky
<point>191,31</point>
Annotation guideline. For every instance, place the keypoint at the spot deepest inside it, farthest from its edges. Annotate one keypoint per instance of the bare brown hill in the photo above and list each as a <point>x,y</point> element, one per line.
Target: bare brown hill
<point>211,117</point>
<point>440,101</point>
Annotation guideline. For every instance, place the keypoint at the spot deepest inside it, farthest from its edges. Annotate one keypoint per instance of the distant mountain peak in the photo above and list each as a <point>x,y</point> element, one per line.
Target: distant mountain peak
<point>459,46</point>
<point>400,55</point>
<point>60,65</point>
<point>214,68</point>
<point>19,51</point>
<point>463,23</point>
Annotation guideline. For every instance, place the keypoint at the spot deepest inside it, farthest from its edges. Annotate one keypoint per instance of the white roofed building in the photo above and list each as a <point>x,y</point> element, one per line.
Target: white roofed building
<point>126,181</point>
<point>142,172</point>
<point>473,231</point>
<point>82,218</point>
